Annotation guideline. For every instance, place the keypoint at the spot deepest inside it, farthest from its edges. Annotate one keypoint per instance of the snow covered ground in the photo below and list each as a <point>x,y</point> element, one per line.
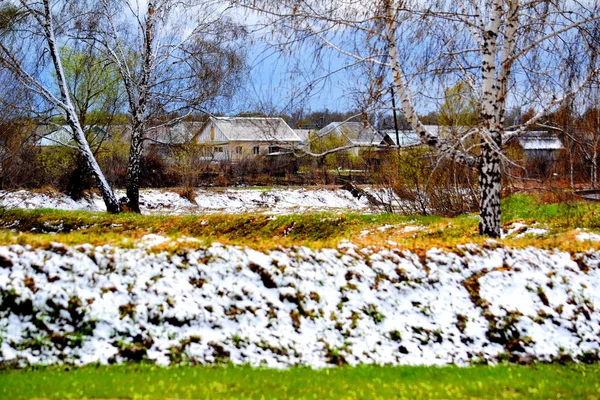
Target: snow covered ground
<point>296,306</point>
<point>275,201</point>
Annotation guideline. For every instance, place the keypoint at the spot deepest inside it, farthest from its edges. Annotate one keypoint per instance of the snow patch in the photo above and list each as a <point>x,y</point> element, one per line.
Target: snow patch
<point>588,237</point>
<point>153,201</point>
<point>296,306</point>
<point>520,230</point>
<point>412,228</point>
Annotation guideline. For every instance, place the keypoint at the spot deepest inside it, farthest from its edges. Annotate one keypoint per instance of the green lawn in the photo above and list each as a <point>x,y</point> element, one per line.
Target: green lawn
<point>150,382</point>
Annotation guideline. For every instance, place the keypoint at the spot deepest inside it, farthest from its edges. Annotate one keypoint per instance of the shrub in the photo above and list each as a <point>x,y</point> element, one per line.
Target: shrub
<point>418,181</point>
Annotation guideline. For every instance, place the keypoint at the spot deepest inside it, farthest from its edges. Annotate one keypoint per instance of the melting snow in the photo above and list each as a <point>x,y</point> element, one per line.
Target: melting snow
<point>533,232</point>
<point>295,306</point>
<point>412,228</point>
<point>588,237</point>
<point>520,230</point>
<point>276,201</point>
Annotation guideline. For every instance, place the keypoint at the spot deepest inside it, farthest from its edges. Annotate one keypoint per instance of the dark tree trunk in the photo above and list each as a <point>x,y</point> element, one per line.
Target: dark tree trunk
<point>133,172</point>
<point>489,188</point>
<point>79,180</point>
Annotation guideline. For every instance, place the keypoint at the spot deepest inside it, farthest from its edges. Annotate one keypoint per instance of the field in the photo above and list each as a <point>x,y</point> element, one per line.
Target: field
<point>148,382</point>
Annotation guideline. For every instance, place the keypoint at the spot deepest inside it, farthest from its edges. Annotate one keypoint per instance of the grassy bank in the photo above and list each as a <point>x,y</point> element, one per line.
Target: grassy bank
<point>316,230</point>
<point>149,382</point>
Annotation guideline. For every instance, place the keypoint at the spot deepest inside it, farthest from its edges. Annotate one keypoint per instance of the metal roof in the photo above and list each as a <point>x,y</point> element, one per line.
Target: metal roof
<point>180,133</point>
<point>255,129</point>
<point>405,138</point>
<point>357,133</point>
<point>539,140</point>
<point>60,135</point>
<point>303,134</point>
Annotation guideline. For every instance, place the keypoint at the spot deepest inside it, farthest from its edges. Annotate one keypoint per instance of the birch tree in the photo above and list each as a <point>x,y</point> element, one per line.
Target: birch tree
<point>174,58</point>
<point>505,51</point>
<point>30,33</point>
<point>96,93</point>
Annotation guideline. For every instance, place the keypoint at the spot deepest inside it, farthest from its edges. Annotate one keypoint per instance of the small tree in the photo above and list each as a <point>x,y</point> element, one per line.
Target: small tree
<point>170,65</point>
<point>459,109</point>
<point>28,39</point>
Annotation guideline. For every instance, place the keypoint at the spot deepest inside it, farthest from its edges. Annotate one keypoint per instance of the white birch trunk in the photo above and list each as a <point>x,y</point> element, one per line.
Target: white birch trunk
<point>133,167</point>
<point>110,201</point>
<point>492,112</point>
<point>489,188</point>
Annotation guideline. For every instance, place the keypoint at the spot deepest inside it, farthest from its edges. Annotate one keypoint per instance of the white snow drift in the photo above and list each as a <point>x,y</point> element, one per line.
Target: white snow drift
<point>296,306</point>
<point>276,201</point>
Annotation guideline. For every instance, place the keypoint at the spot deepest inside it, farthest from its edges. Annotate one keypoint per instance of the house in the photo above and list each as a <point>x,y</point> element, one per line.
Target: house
<point>59,135</point>
<point>409,138</point>
<point>541,151</point>
<point>181,133</point>
<point>238,138</point>
<point>359,134</point>
<point>404,138</point>
<point>540,144</point>
<point>165,140</point>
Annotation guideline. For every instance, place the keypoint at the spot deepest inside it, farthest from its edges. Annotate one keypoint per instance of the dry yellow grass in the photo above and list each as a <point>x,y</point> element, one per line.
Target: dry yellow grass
<point>560,221</point>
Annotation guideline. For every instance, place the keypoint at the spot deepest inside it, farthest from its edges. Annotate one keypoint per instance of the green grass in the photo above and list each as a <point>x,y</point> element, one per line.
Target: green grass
<point>366,382</point>
<point>315,230</point>
<point>573,214</point>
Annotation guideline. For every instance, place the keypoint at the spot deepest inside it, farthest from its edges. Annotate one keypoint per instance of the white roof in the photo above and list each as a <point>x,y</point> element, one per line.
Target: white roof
<point>358,133</point>
<point>539,140</point>
<point>180,133</point>
<point>255,129</point>
<point>303,134</point>
<point>405,138</point>
<point>60,135</point>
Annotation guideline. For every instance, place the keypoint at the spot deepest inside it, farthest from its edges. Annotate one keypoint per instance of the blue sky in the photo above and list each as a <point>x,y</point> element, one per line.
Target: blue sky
<point>281,82</point>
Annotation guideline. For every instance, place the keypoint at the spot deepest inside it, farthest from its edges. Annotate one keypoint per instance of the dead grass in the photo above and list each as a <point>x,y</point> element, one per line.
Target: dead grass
<point>187,192</point>
<point>40,228</point>
<point>48,190</point>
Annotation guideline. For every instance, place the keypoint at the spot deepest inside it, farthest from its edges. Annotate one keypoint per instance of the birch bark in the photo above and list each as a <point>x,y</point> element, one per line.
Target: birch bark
<point>47,22</point>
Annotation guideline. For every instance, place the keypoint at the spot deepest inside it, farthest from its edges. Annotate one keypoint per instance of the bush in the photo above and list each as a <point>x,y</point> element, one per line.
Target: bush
<point>418,181</point>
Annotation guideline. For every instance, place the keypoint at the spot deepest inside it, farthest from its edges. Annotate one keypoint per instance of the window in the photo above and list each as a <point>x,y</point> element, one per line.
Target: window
<point>239,150</point>
<point>212,133</point>
<point>218,149</point>
<point>274,149</point>
<point>256,150</point>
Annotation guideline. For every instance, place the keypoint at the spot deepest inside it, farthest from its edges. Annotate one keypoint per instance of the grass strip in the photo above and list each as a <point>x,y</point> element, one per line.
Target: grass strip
<point>315,230</point>
<point>365,382</point>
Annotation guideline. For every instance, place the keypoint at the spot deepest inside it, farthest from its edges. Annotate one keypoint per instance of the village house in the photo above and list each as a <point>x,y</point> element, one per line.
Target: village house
<point>238,138</point>
<point>165,141</point>
<point>359,134</point>
<point>541,151</point>
<point>402,138</point>
<point>540,145</point>
<point>59,135</point>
